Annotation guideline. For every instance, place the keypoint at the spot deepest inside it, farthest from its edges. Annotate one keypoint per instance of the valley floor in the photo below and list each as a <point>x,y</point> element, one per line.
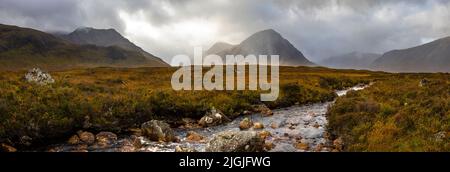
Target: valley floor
<point>394,114</point>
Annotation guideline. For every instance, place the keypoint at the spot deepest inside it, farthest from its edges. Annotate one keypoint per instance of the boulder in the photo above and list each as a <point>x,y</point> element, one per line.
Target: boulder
<point>263,109</point>
<point>74,140</point>
<point>37,76</point>
<point>7,148</point>
<point>86,137</point>
<point>245,124</point>
<point>213,118</point>
<point>268,146</point>
<point>301,146</point>
<point>236,141</point>
<point>193,136</point>
<point>105,139</point>
<point>158,131</point>
<point>258,125</point>
<point>264,134</point>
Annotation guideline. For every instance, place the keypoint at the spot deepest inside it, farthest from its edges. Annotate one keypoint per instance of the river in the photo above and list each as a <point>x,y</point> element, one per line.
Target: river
<point>304,124</point>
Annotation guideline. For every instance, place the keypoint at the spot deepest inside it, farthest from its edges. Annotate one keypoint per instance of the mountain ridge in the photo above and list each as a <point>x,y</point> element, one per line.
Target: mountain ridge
<point>429,57</point>
<point>24,48</point>
<point>269,42</point>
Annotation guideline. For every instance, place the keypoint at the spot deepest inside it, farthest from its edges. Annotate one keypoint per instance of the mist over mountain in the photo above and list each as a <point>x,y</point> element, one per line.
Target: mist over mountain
<point>106,38</point>
<point>24,48</point>
<point>219,47</point>
<point>269,42</point>
<point>430,57</point>
<point>353,60</point>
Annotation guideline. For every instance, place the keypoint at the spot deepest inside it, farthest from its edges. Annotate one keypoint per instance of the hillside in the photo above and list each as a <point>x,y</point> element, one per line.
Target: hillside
<point>430,57</point>
<point>23,48</point>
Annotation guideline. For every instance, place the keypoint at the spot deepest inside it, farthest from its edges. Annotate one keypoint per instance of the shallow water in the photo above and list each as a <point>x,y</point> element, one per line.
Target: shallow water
<point>304,123</point>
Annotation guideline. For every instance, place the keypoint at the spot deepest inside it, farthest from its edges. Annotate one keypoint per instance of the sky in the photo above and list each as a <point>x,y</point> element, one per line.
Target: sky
<point>318,28</point>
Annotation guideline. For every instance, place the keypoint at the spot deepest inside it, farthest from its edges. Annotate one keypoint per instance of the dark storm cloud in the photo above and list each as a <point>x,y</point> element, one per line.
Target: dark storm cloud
<point>319,28</point>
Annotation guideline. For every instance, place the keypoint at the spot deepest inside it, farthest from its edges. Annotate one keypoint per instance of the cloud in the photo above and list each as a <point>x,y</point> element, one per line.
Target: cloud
<point>319,28</point>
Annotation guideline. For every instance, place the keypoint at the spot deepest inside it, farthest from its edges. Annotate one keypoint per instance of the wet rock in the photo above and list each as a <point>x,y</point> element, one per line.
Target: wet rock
<point>258,125</point>
<point>193,136</point>
<point>236,141</point>
<point>263,109</point>
<point>86,137</point>
<point>105,139</point>
<point>189,123</point>
<point>74,140</point>
<point>184,149</point>
<point>37,76</point>
<point>245,124</point>
<point>274,125</point>
<point>301,146</point>
<point>268,146</point>
<point>158,131</point>
<point>213,118</point>
<point>80,148</point>
<point>7,148</point>
<point>264,134</point>
<point>131,144</point>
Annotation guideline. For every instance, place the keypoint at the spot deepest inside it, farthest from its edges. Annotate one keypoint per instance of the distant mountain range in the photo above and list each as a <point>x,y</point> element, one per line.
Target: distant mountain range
<point>353,60</point>
<point>267,42</point>
<point>23,48</point>
<point>430,57</point>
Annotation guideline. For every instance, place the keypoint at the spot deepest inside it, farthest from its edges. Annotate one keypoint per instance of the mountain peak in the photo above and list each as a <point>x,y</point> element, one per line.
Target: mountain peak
<point>269,42</point>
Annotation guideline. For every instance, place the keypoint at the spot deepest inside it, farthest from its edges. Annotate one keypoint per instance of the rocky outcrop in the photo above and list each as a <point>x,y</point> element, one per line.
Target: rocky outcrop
<point>37,76</point>
<point>158,131</point>
<point>236,141</point>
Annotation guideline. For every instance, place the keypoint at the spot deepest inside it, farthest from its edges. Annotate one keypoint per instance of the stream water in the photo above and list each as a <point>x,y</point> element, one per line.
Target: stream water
<point>297,124</point>
<point>304,123</point>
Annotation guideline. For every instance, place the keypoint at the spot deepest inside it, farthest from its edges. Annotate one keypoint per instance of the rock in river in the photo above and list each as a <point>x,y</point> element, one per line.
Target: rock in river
<point>213,118</point>
<point>245,124</point>
<point>236,141</point>
<point>86,137</point>
<point>258,125</point>
<point>193,136</point>
<point>105,138</point>
<point>158,131</point>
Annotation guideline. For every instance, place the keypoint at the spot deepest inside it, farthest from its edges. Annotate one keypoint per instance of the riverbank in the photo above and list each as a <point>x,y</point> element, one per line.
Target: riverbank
<point>118,100</point>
